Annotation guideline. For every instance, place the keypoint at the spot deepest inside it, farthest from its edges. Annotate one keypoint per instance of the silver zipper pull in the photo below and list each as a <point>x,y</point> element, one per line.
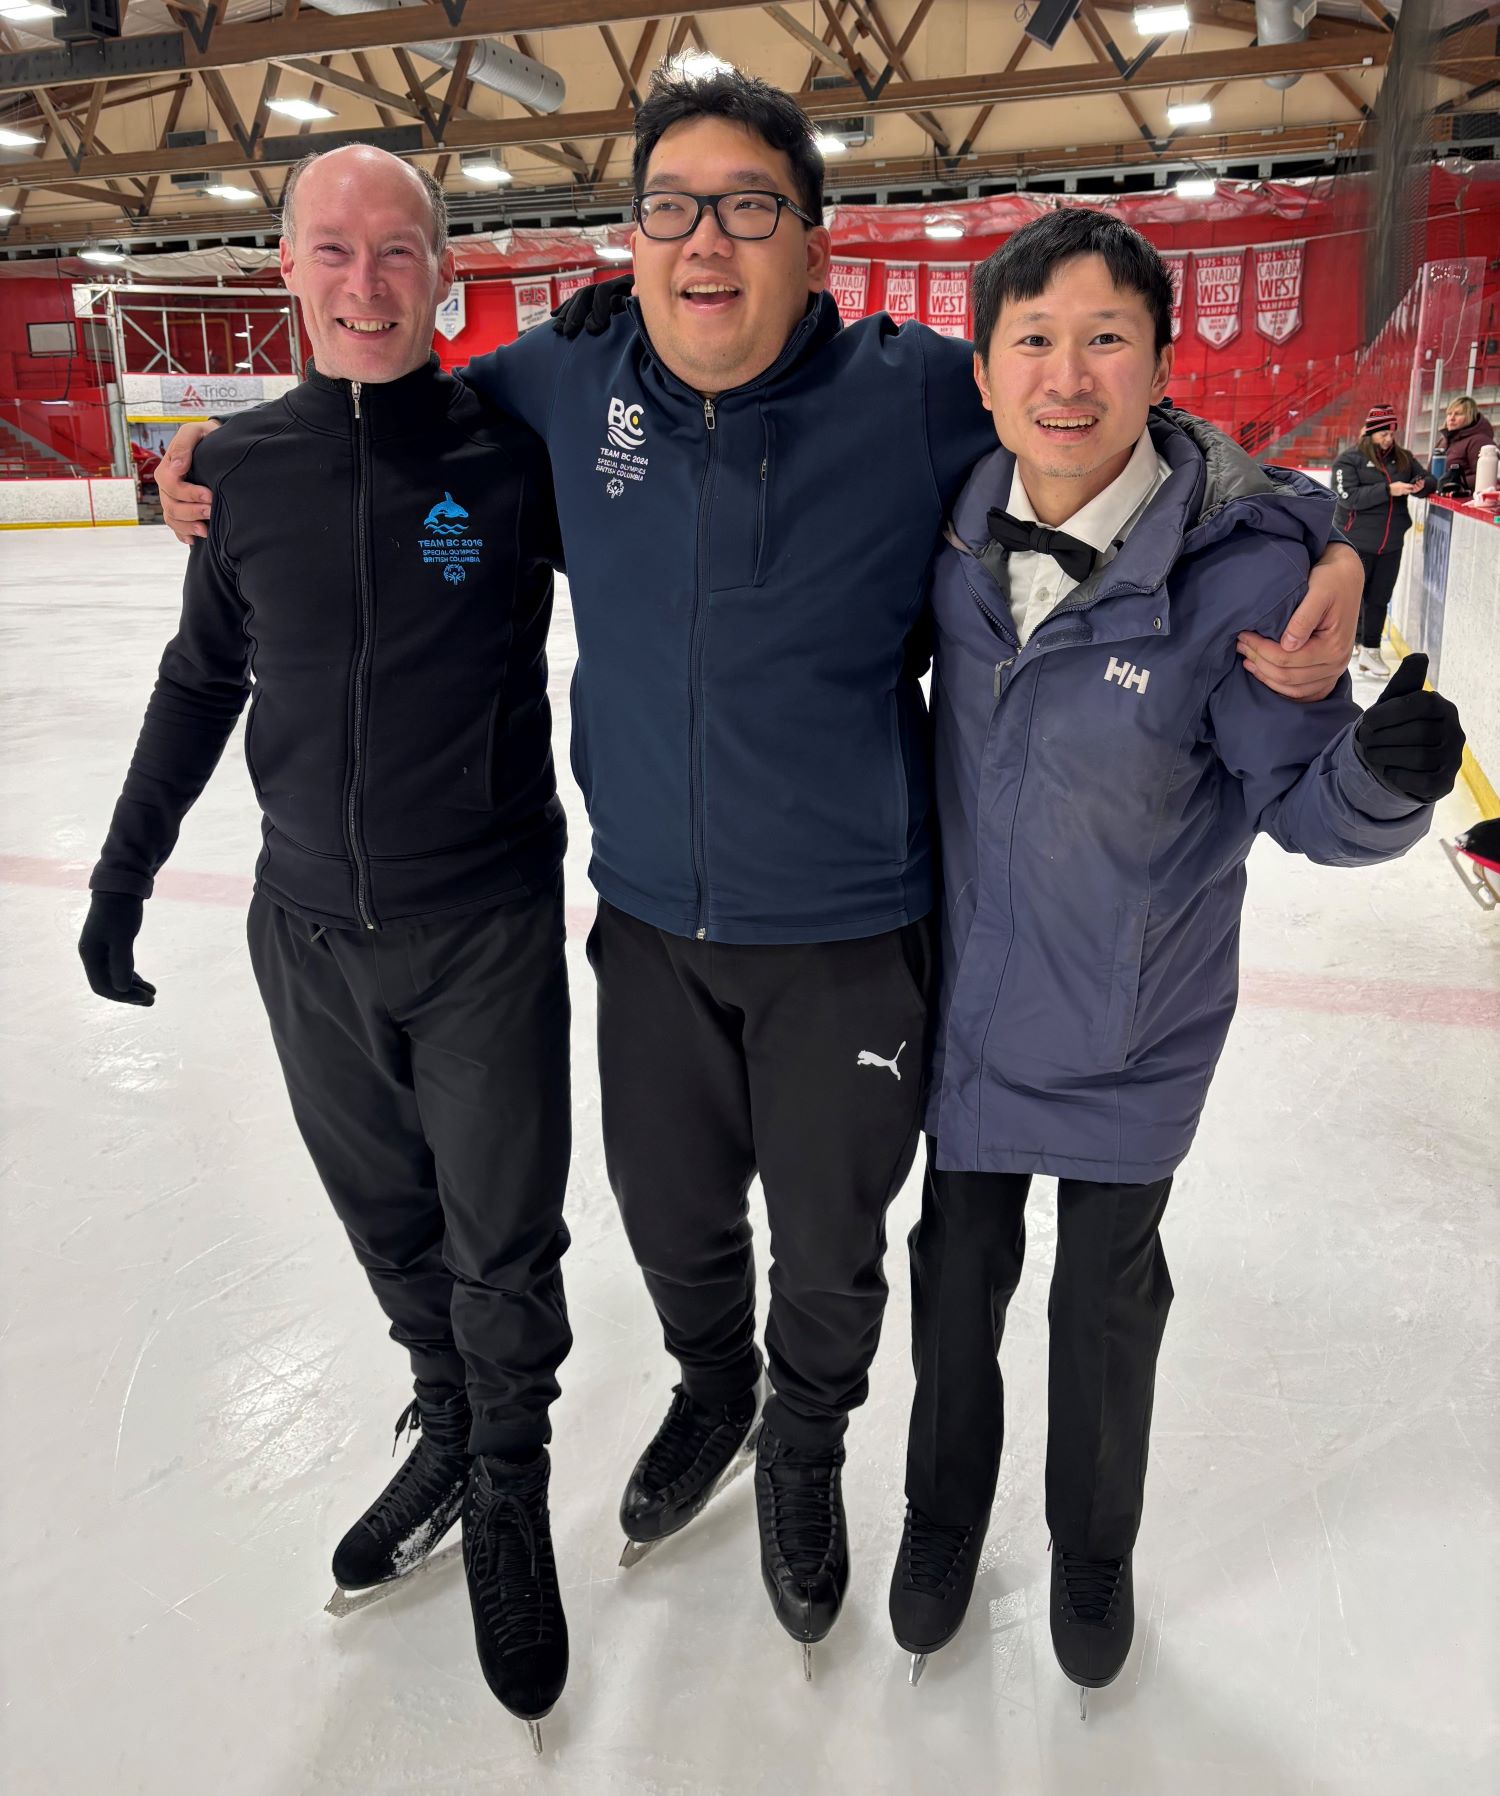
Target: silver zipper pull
<point>354,393</point>
<point>998,666</point>
<point>762,472</point>
<point>708,413</point>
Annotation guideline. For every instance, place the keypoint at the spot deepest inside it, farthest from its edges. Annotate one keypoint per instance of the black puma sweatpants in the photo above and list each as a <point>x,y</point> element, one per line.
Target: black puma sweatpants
<point>802,1063</point>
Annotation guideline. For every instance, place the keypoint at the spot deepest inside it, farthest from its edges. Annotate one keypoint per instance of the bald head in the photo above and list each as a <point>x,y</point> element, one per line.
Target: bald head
<point>361,167</point>
<point>363,247</point>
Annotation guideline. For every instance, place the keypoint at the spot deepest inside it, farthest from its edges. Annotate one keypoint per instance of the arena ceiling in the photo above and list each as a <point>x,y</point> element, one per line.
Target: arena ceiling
<point>947,95</point>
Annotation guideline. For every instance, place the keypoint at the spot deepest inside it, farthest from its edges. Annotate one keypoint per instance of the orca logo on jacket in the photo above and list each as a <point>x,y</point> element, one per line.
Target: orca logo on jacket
<point>1127,674</point>
<point>619,458</point>
<point>448,544</point>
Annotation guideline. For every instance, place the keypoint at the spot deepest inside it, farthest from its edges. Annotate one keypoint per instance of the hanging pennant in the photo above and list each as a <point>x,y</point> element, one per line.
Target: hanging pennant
<point>573,282</point>
<point>1176,273</point>
<point>451,313</point>
<point>901,291</point>
<point>948,298</point>
<point>1218,280</point>
<point>1278,289</point>
<point>533,302</point>
<point>849,283</point>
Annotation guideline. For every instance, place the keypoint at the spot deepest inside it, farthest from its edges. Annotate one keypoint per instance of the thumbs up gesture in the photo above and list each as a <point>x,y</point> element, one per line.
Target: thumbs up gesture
<point>1411,739</point>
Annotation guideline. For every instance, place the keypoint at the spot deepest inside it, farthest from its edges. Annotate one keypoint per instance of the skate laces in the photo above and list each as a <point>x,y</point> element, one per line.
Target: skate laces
<point>427,1477</point>
<point>804,1507</point>
<point>1090,1585</point>
<point>511,1550</point>
<point>679,1441</point>
<point>931,1552</point>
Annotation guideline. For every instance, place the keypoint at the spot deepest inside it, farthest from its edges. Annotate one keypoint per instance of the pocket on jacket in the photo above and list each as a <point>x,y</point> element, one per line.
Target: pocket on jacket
<point>494,750</point>
<point>578,747</point>
<point>763,506</point>
<point>1117,1019</point>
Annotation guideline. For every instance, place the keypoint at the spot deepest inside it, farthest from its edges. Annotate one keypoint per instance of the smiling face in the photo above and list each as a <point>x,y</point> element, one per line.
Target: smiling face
<point>1070,377</point>
<point>362,264</point>
<point>719,309</point>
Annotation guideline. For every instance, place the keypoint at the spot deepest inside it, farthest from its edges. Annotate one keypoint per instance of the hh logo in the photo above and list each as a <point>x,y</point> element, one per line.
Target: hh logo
<point>625,428</point>
<point>1128,675</point>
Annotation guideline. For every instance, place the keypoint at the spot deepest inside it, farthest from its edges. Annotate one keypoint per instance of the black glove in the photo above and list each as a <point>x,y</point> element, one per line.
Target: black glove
<point>107,948</point>
<point>591,308</point>
<point>1410,739</point>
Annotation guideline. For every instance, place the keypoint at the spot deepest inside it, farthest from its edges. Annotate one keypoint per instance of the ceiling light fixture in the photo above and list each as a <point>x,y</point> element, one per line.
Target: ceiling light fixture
<point>298,109</point>
<point>1192,112</point>
<point>827,144</point>
<point>221,190</point>
<point>946,230</point>
<point>17,140</point>
<point>699,65</point>
<point>487,168</point>
<point>612,252</point>
<point>96,252</point>
<point>7,211</point>
<point>1161,21</point>
<point>17,11</point>
<point>1196,187</point>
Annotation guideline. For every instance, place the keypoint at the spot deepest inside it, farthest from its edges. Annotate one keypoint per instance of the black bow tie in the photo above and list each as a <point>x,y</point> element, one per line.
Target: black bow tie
<point>1015,536</point>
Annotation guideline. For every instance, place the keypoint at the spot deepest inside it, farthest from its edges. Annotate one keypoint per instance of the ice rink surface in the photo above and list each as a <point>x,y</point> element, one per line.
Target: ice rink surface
<point>199,1395</point>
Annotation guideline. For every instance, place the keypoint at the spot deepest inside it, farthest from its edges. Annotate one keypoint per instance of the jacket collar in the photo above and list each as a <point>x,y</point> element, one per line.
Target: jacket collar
<point>818,325</point>
<point>417,401</point>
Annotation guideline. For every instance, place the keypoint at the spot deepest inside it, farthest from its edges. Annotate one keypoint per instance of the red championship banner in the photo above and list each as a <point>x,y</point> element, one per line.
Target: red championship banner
<point>1177,274</point>
<point>1218,280</point>
<point>849,283</point>
<point>901,291</point>
<point>1278,289</point>
<point>533,301</point>
<point>948,298</point>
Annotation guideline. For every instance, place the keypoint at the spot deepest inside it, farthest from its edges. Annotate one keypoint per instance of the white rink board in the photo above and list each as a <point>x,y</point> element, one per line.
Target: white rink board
<point>57,502</point>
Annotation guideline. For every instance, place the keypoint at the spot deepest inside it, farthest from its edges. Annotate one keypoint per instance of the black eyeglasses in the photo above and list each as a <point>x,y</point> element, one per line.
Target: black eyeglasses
<point>752,216</point>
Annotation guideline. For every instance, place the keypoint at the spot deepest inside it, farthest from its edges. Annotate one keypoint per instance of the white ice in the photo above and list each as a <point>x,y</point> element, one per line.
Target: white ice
<point>199,1395</point>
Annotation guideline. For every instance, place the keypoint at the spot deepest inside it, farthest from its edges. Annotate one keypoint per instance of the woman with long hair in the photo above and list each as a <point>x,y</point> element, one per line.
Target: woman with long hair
<point>1372,481</point>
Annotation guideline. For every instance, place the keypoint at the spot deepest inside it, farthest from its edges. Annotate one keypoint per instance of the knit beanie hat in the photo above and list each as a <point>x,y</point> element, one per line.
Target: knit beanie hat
<point>1380,417</point>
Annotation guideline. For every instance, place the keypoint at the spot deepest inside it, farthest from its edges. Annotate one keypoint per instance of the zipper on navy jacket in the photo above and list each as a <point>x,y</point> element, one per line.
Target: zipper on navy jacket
<point>695,682</point>
<point>995,625</point>
<point>359,675</point>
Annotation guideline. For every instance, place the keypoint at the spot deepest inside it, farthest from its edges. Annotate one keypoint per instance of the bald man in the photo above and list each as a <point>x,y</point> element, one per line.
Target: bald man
<point>377,581</point>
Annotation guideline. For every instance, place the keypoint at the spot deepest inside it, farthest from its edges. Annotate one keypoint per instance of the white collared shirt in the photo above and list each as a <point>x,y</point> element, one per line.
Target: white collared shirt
<point>1037,584</point>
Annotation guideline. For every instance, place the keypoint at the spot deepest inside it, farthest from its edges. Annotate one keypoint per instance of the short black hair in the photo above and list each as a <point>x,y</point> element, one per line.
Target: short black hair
<point>1026,262</point>
<point>677,96</point>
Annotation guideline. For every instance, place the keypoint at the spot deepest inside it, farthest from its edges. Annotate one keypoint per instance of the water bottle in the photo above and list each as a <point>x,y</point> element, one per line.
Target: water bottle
<point>1487,469</point>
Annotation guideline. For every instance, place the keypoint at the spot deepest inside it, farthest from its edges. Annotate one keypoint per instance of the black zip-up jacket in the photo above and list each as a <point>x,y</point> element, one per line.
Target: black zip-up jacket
<point>1373,517</point>
<point>378,578</point>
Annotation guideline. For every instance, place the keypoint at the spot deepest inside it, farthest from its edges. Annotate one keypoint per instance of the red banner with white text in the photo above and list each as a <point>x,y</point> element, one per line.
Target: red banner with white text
<point>1278,289</point>
<point>1177,274</point>
<point>533,302</point>
<point>1218,282</point>
<point>948,298</point>
<point>849,283</point>
<point>901,291</point>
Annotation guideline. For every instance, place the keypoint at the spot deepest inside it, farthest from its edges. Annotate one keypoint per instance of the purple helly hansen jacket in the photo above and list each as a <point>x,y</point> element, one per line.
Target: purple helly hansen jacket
<point>1098,792</point>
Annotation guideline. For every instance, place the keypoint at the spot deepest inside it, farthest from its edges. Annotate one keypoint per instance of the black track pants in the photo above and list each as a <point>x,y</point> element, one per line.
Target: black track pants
<point>802,1063</point>
<point>1107,1309</point>
<point>428,1072</point>
<point>1380,583</point>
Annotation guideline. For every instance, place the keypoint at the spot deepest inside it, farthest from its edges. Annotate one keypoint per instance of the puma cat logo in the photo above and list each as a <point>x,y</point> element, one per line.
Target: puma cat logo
<point>868,1058</point>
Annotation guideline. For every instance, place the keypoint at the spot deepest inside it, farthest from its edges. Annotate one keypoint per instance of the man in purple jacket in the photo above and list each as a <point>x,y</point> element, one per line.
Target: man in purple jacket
<point>1102,770</point>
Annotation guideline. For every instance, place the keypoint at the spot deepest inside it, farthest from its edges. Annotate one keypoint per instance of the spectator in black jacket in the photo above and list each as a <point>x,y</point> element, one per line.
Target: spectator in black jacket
<point>377,581</point>
<point>1372,481</point>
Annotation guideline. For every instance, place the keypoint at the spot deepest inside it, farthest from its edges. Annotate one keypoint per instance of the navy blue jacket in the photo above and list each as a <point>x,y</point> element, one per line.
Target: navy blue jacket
<point>747,574</point>
<point>1098,792</point>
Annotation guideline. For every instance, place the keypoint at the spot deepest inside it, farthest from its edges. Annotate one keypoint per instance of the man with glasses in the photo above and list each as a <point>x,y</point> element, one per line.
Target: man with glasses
<point>749,497</point>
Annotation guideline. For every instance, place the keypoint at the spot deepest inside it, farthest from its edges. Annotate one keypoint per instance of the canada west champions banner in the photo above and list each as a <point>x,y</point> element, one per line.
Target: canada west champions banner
<point>1176,273</point>
<point>849,283</point>
<point>1278,289</point>
<point>948,298</point>
<point>901,291</point>
<point>1218,281</point>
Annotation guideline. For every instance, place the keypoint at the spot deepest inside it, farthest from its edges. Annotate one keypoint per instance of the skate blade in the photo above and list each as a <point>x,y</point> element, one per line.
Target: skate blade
<point>1083,1703</point>
<point>918,1666</point>
<point>807,1676</point>
<point>350,1602</point>
<point>534,1728</point>
<point>635,1552</point>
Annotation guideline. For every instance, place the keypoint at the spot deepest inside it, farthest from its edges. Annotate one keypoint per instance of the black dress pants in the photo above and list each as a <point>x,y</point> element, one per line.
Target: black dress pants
<point>1380,583</point>
<point>428,1071</point>
<point>1107,1309</point>
<point>802,1063</point>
